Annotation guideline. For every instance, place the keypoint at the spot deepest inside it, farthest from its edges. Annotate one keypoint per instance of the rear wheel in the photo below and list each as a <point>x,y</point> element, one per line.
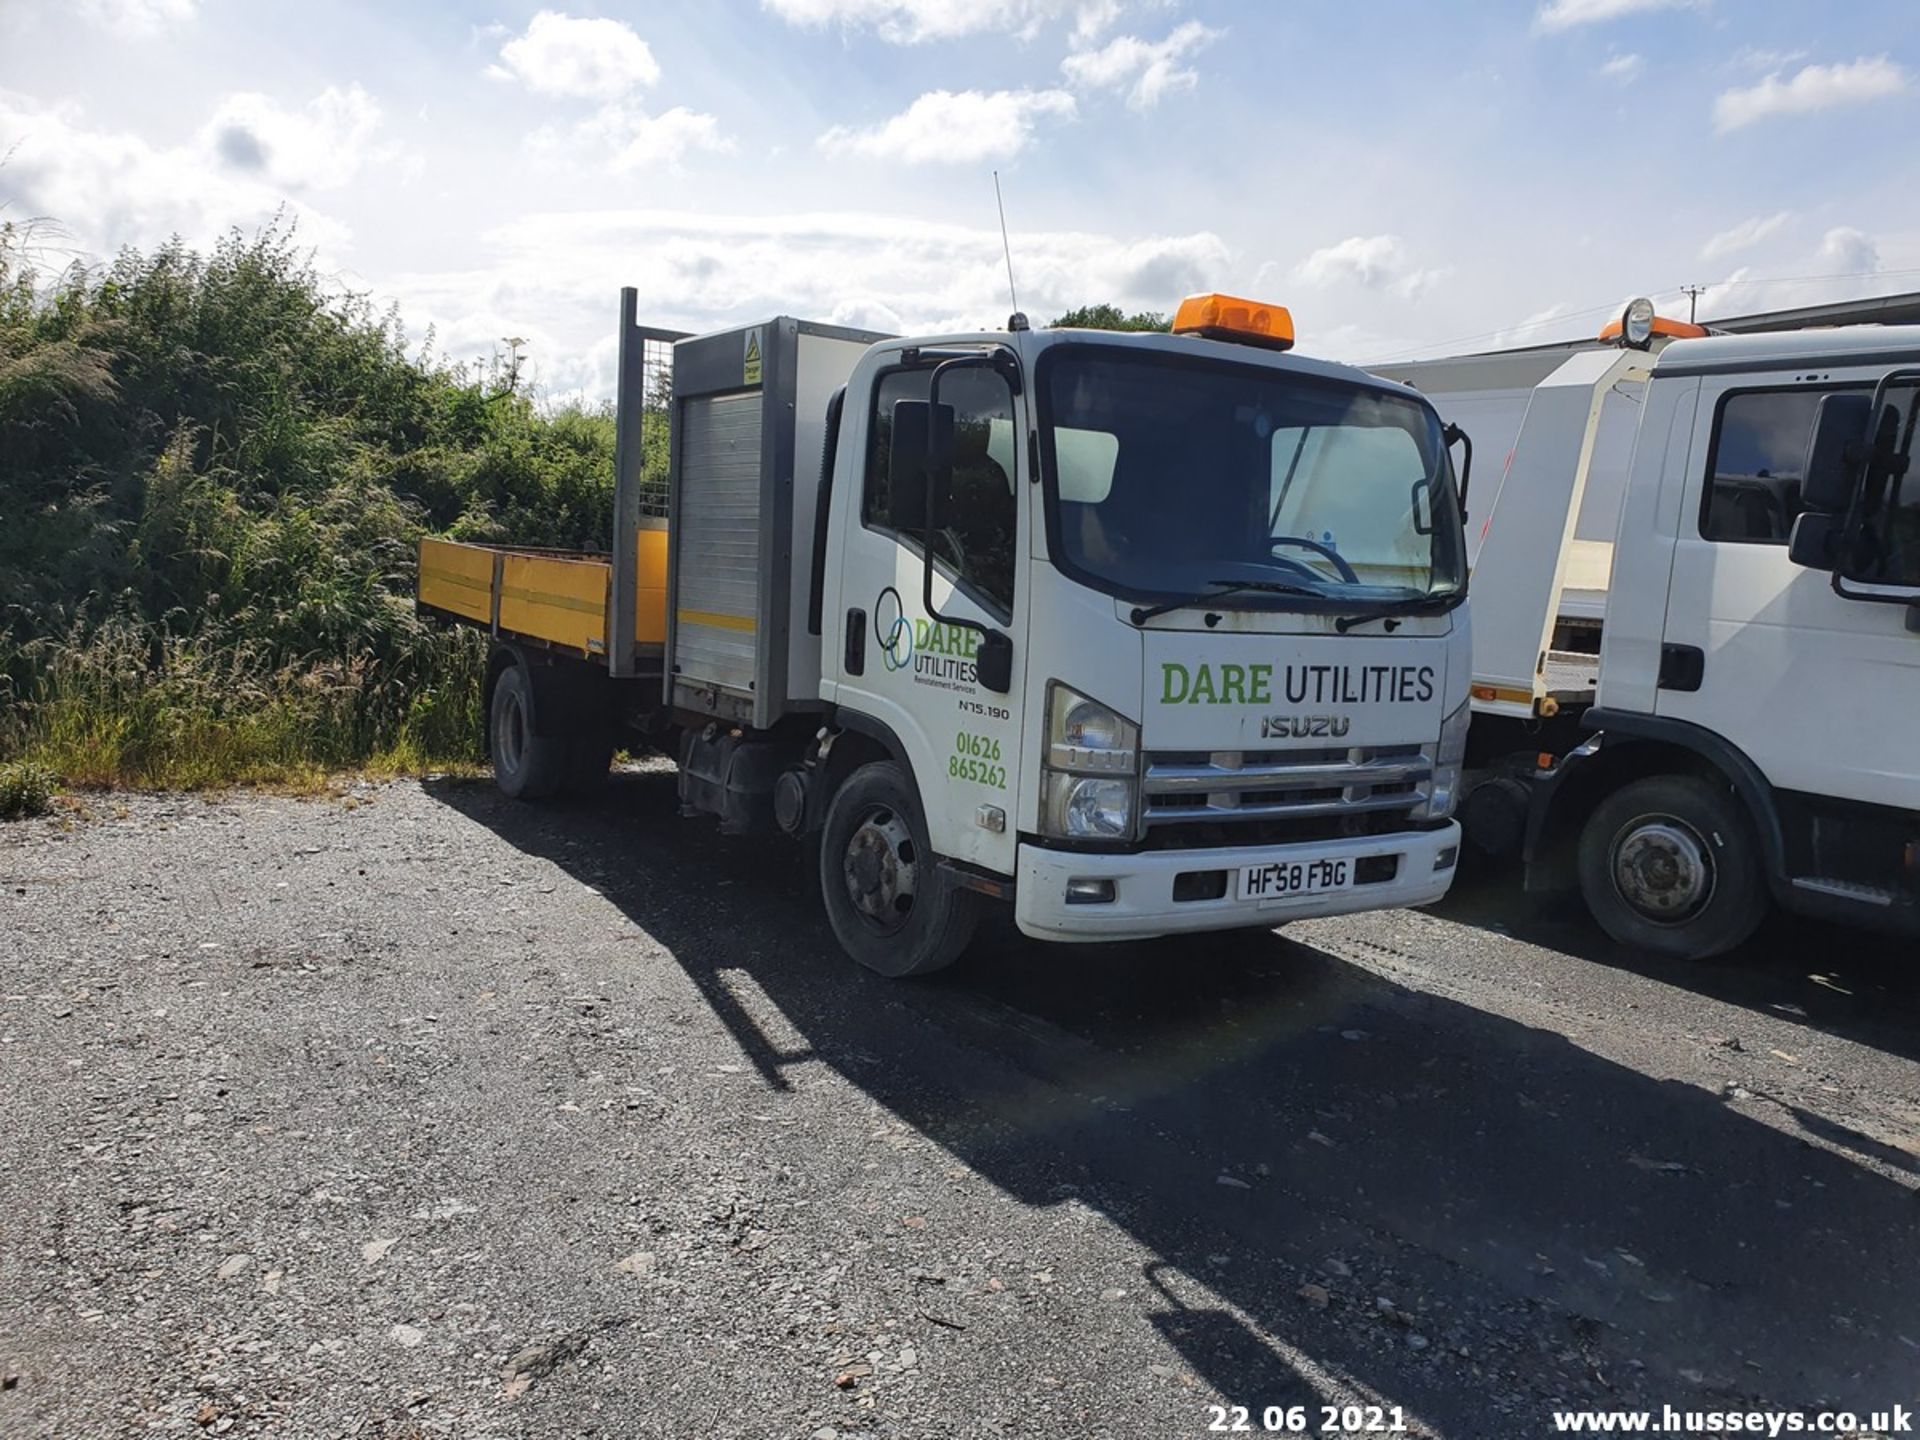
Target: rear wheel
<point>1670,864</point>
<point>526,766</point>
<point>891,907</point>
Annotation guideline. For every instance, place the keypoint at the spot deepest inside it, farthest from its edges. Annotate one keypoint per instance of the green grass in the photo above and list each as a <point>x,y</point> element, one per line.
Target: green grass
<point>26,790</point>
<point>108,714</point>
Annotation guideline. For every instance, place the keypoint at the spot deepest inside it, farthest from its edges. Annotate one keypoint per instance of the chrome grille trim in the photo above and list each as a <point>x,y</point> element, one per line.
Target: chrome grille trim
<point>1182,787</point>
<point>1165,779</point>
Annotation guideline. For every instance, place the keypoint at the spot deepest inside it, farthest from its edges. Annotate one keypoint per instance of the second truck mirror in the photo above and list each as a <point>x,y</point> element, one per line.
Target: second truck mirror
<point>1814,542</point>
<point>993,662</point>
<point>922,449</point>
<point>1453,435</point>
<point>1828,477</point>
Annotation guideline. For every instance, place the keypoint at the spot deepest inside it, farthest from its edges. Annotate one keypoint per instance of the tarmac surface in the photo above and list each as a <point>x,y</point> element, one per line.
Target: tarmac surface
<point>418,1112</point>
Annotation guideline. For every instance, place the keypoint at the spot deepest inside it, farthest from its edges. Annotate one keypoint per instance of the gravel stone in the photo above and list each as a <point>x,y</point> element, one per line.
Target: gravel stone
<point>415,1113</point>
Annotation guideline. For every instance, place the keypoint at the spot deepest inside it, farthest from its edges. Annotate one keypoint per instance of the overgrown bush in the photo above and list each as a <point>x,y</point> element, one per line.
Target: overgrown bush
<point>214,471</point>
<point>26,790</point>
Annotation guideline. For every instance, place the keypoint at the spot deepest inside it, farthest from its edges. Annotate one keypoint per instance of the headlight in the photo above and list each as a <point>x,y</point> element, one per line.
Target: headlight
<point>1079,807</point>
<point>1088,725</point>
<point>1444,793</point>
<point>1085,737</point>
<point>1090,770</point>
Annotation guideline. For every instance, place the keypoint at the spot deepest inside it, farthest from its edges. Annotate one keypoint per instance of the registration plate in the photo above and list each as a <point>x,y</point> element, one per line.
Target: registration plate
<point>1284,879</point>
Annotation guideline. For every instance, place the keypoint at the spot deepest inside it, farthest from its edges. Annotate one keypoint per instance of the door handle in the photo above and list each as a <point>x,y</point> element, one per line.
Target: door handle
<point>1682,667</point>
<point>856,656</point>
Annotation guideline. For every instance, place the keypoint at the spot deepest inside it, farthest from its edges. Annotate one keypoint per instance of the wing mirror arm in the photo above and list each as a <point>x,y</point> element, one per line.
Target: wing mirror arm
<point>1452,435</point>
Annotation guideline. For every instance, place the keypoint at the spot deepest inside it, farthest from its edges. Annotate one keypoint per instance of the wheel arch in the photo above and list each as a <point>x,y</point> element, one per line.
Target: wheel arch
<point>862,741</point>
<point>1627,747</point>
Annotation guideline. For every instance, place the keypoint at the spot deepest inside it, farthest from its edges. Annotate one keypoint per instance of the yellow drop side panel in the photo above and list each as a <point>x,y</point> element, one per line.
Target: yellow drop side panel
<point>563,602</point>
<point>650,597</point>
<point>457,579</point>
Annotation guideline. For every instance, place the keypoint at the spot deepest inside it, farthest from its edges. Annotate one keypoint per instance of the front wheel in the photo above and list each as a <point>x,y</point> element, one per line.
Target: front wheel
<point>890,906</point>
<point>1670,864</point>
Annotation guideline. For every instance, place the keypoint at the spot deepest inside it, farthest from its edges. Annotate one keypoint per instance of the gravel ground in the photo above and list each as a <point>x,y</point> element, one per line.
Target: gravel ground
<point>419,1113</point>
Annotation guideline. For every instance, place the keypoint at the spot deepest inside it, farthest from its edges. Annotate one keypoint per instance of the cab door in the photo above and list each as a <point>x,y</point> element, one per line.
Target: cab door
<point>1762,650</point>
<point>906,666</point>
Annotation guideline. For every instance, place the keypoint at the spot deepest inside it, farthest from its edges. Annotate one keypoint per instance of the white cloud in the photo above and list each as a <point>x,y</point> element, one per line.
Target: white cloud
<point>909,22</point>
<point>1417,282</point>
<point>1745,235</point>
<point>578,58</point>
<point>137,19</point>
<point>1748,57</point>
<point>1815,87</point>
<point>1566,14</point>
<point>319,147</point>
<point>109,189</point>
<point>1095,18</point>
<point>1147,70</point>
<point>952,128</point>
<point>1849,252</point>
<point>1373,262</point>
<point>1625,69</point>
<point>1845,267</point>
<point>551,278</point>
<point>1538,327</point>
<point>628,138</point>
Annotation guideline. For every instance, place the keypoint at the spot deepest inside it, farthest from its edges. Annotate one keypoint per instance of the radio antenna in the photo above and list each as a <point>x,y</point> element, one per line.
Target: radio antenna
<point>1016,321</point>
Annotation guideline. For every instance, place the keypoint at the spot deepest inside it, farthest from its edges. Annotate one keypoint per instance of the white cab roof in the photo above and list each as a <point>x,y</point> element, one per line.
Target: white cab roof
<point>1191,346</point>
<point>1790,347</point>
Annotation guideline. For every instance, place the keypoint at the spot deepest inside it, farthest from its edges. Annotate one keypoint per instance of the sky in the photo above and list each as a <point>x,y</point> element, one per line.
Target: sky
<point>1411,179</point>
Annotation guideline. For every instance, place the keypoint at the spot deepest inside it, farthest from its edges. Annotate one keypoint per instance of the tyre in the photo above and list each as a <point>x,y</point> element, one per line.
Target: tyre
<point>890,905</point>
<point>526,766</point>
<point>1670,864</point>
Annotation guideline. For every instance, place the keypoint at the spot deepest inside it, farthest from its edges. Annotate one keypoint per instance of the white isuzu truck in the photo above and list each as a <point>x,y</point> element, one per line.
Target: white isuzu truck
<point>1697,668</point>
<point>1143,634</point>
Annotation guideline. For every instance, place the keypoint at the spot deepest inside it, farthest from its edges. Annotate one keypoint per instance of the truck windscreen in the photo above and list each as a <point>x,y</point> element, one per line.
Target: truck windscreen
<point>1167,476</point>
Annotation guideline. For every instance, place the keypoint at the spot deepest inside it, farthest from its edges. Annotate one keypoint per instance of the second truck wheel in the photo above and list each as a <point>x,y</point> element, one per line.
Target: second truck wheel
<point>1669,864</point>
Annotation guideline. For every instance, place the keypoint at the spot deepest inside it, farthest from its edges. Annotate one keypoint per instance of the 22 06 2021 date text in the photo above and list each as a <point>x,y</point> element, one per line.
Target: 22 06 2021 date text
<point>1306,1420</point>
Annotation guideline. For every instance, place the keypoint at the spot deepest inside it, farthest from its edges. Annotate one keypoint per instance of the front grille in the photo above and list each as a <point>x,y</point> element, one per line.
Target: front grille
<point>1305,831</point>
<point>1234,787</point>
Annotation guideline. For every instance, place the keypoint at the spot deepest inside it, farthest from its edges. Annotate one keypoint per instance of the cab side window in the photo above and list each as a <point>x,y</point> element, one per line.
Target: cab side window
<point>975,544</point>
<point>1753,481</point>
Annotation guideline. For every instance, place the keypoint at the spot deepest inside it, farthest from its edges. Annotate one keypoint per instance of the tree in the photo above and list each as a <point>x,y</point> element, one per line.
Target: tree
<point>1110,317</point>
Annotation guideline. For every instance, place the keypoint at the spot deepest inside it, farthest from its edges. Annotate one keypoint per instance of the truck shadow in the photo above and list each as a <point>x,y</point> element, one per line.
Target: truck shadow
<point>1857,986</point>
<point>1499,1218</point>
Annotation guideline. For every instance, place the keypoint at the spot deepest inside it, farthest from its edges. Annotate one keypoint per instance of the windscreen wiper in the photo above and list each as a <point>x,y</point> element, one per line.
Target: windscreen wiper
<point>1222,589</point>
<point>1387,609</point>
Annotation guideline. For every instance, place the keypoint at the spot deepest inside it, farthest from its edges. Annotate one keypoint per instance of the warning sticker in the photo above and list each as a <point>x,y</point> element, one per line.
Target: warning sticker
<point>752,365</point>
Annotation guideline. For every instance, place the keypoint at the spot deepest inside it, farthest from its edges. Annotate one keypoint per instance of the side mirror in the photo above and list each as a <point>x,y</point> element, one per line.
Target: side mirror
<point>1422,507</point>
<point>1815,542</point>
<point>920,465</point>
<point>993,662</point>
<point>1832,467</point>
<point>1453,435</point>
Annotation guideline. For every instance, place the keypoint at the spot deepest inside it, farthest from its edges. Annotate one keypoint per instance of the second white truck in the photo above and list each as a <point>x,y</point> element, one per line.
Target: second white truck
<point>1697,583</point>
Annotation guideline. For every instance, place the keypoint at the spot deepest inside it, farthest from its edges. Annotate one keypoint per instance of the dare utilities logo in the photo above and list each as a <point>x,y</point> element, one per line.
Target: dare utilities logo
<point>892,630</point>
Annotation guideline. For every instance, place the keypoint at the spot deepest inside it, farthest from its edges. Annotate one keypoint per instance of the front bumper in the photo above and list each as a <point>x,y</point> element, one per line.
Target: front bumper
<point>1143,886</point>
